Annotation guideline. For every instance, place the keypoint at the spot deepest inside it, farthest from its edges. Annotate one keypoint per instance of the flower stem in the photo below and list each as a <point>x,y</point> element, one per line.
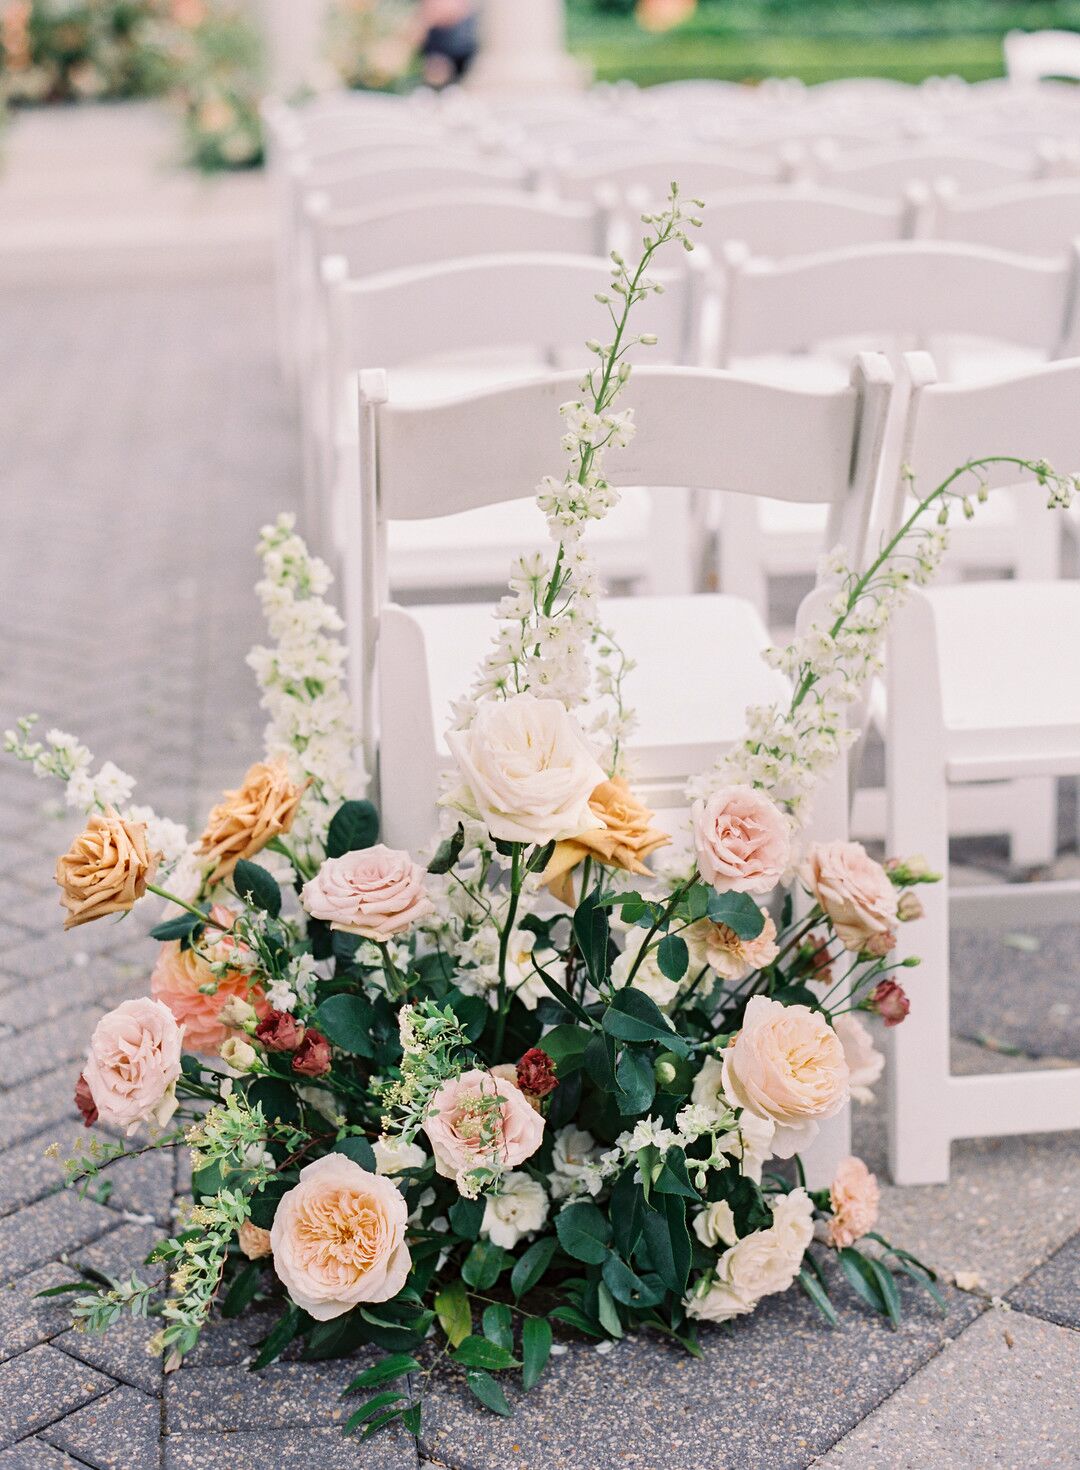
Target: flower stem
<point>516,878</point>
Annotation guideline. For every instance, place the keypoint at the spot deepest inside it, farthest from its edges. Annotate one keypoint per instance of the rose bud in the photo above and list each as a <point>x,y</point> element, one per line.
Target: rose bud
<point>312,1057</point>
<point>536,1073</point>
<point>279,1031</point>
<point>891,1002</point>
<point>879,945</point>
<point>239,1054</point>
<point>238,1012</point>
<point>909,908</point>
<point>254,1241</point>
<point>84,1101</point>
<point>816,949</point>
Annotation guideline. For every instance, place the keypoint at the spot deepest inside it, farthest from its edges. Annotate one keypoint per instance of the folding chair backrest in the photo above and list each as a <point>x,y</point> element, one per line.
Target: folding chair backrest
<point>889,170</point>
<point>360,185</point>
<point>699,174</point>
<point>802,219</point>
<point>419,230</point>
<point>1036,219</point>
<point>901,294</point>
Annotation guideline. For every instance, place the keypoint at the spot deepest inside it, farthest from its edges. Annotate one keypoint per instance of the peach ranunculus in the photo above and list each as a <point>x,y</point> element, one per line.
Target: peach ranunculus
<point>339,1238</point>
<point>481,1122</point>
<point>742,840</point>
<point>133,1064</point>
<point>865,1062</point>
<point>178,979</point>
<point>855,1196</point>
<point>528,770</point>
<point>254,1241</point>
<point>106,869</point>
<point>376,892</point>
<point>624,839</point>
<point>787,1064</point>
<point>855,892</point>
<point>731,957</point>
<point>245,820</point>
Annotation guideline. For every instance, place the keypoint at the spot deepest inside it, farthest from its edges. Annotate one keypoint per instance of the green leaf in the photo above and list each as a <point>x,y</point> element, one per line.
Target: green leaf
<point>626,1286</point>
<point>600,1062</point>
<point>357,1149</point>
<point>541,856</point>
<point>472,1011</point>
<point>862,1280</point>
<point>532,1265</point>
<point>610,1320</point>
<point>673,956</point>
<point>288,1326</point>
<point>673,1178</point>
<point>738,911</point>
<point>347,1021</point>
<point>668,1241</point>
<point>448,851</point>
<point>353,826</point>
<point>382,1421</point>
<point>499,1325</point>
<point>818,1295</point>
<point>395,1366</point>
<point>921,1278</point>
<point>374,1405</point>
<point>637,1082</point>
<point>452,1310</point>
<point>535,1349</point>
<point>697,902</point>
<point>565,1045</point>
<point>632,1016</point>
<point>627,1211</point>
<point>488,1391</point>
<point>466,1216</point>
<point>591,930</point>
<point>483,1265</point>
<point>242,1291</point>
<point>584,1233</point>
<point>179,928</point>
<point>411,1419</point>
<point>563,996</point>
<point>256,886</point>
<point>887,1287</point>
<point>479,1352</point>
<point>576,1318</point>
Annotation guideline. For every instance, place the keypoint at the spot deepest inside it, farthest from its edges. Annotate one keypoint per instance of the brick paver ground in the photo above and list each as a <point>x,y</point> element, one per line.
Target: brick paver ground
<point>145,437</point>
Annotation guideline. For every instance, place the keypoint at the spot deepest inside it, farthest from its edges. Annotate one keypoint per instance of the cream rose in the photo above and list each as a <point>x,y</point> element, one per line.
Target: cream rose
<point>133,1064</point>
<point>528,770</point>
<point>520,1207</point>
<point>865,1062</point>
<point>393,1155</point>
<point>854,1195</point>
<point>742,840</point>
<point>760,1264</point>
<point>339,1238</point>
<point>715,1225</point>
<point>855,892</point>
<point>105,870</point>
<point>376,892</point>
<point>480,1121</point>
<point>787,1064</point>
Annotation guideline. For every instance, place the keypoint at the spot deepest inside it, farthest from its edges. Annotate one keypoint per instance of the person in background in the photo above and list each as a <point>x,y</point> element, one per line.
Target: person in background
<point>448,39</point>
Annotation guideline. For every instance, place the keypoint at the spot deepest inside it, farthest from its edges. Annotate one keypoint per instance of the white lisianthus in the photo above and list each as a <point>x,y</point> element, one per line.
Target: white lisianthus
<point>760,1264</point>
<point>649,977</point>
<point>715,1225</point>
<point>573,1163</point>
<point>520,1207</point>
<point>528,770</point>
<point>392,1155</point>
<point>865,1062</point>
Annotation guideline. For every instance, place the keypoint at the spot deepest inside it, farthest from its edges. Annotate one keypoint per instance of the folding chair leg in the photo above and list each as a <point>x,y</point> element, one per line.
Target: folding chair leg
<point>1033,836</point>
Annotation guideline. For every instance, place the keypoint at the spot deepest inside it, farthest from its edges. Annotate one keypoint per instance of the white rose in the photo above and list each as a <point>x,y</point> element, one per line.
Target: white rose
<point>715,1225</point>
<point>865,1062</point>
<point>520,1208</point>
<point>649,976</point>
<point>708,1086</point>
<point>762,1263</point>
<point>528,770</point>
<point>572,1159</point>
<point>392,1155</point>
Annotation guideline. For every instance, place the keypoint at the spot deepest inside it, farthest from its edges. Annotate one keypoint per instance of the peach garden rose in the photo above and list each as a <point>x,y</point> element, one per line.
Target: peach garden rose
<point>338,1238</point>
<point>480,1120</point>
<point>376,892</point>
<point>179,978</point>
<point>854,890</point>
<point>741,839</point>
<point>133,1065</point>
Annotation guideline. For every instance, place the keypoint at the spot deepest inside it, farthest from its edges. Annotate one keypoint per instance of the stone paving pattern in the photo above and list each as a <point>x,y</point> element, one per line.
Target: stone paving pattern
<point>145,437</point>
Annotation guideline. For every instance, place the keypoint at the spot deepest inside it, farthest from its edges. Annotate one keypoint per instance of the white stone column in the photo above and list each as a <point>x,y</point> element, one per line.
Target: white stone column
<point>523,49</point>
<point>295,34</point>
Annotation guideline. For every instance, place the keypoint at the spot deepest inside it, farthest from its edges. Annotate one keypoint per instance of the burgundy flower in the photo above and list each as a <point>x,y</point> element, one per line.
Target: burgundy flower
<point>84,1101</point>
<point>278,1031</point>
<point>891,1002</point>
<point>312,1057</point>
<point>536,1073</point>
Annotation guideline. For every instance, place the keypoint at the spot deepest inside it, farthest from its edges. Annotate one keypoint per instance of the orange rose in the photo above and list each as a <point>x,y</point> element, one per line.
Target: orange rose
<point>623,840</point>
<point>244,821</point>
<point>106,869</point>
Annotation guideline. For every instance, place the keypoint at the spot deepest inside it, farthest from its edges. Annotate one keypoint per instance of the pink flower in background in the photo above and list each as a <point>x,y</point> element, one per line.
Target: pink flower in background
<point>480,1120</point>
<point>855,1196</point>
<point>133,1065</point>
<point>742,840</point>
<point>855,892</point>
<point>375,892</point>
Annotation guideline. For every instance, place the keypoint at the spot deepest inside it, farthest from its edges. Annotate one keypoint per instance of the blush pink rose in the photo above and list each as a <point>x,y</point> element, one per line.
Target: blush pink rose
<point>180,975</point>
<point>855,1196</point>
<point>338,1238</point>
<point>787,1064</point>
<point>480,1120</point>
<point>855,892</point>
<point>742,840</point>
<point>865,1062</point>
<point>376,892</point>
<point>133,1064</point>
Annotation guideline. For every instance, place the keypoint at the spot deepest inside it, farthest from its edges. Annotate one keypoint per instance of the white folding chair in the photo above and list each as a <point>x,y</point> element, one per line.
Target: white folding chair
<point>802,219</point>
<point>700,173</point>
<point>480,322</point>
<point>1041,218</point>
<point>699,430</point>
<point>982,687</point>
<point>888,170</point>
<point>1031,56</point>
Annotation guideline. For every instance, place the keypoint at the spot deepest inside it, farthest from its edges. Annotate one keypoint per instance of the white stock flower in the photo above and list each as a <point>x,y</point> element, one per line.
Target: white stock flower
<point>573,1163</point>
<point>520,1207</point>
<point>392,1155</point>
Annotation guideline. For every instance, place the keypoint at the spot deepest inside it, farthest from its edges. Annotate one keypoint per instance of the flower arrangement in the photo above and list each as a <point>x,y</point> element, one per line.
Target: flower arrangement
<point>214,58</point>
<point>68,50</point>
<point>528,1080</point>
<point>371,44</point>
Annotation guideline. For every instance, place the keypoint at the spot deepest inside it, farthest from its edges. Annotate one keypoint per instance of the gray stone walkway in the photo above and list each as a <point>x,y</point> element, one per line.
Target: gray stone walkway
<point>144,437</point>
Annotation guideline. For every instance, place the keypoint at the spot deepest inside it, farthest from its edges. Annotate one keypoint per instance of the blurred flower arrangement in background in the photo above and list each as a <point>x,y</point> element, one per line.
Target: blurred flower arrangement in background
<point>215,66</point>
<point>68,50</point>
<point>371,44</point>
